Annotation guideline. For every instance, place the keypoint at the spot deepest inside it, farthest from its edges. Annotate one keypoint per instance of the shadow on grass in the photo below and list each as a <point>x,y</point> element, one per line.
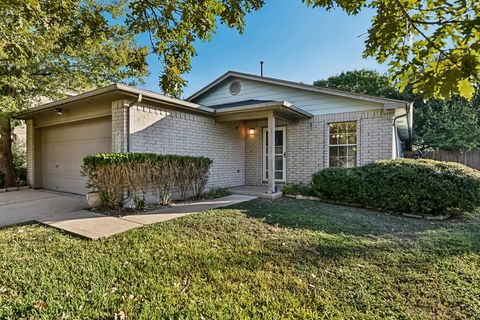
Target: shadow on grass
<point>453,236</point>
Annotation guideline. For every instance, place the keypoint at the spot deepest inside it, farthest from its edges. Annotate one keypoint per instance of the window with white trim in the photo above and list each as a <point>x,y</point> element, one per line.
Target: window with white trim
<point>342,145</point>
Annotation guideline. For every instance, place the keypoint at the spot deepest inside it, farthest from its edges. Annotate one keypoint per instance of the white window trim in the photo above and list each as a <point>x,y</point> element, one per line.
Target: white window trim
<point>357,157</point>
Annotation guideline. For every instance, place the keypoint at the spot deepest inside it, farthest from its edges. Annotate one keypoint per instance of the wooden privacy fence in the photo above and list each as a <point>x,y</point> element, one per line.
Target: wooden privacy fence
<point>468,158</point>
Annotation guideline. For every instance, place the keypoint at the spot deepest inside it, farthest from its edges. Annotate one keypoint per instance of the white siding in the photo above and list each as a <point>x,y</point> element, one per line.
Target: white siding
<point>315,103</point>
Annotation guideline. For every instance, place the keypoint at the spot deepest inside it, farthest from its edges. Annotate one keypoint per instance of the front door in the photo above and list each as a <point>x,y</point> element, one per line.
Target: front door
<point>280,152</point>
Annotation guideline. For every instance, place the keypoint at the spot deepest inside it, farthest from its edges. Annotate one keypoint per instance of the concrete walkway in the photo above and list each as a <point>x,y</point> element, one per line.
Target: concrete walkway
<point>94,225</point>
<point>186,209</point>
<point>88,224</point>
<point>67,212</point>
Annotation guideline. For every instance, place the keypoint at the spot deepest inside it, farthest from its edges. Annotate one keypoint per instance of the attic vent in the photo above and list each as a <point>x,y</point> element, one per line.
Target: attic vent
<point>235,88</point>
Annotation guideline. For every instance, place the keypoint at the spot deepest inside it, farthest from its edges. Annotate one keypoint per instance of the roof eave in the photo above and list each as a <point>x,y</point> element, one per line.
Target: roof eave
<point>124,89</point>
<point>90,94</point>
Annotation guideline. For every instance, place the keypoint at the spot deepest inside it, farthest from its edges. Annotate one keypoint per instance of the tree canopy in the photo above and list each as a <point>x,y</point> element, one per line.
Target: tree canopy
<point>173,27</point>
<point>451,124</point>
<point>362,81</point>
<point>433,46</point>
<point>50,46</point>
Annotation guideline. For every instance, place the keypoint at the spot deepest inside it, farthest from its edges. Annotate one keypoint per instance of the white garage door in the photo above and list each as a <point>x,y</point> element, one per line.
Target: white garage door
<point>64,147</point>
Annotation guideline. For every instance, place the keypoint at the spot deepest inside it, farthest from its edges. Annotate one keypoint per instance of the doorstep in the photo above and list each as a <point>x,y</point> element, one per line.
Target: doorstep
<point>255,191</point>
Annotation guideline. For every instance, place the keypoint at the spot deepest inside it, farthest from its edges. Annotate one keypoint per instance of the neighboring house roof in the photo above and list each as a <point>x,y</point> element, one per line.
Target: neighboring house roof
<point>388,103</point>
<point>117,90</point>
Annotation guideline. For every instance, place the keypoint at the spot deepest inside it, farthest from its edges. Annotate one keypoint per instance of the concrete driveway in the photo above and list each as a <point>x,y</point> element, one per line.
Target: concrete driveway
<point>29,205</point>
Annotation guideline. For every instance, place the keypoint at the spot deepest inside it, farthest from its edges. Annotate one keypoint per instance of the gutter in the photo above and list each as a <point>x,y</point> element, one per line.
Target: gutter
<point>405,115</point>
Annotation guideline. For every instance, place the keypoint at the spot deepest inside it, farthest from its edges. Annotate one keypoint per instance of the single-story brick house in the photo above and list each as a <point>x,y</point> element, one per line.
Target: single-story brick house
<point>229,120</point>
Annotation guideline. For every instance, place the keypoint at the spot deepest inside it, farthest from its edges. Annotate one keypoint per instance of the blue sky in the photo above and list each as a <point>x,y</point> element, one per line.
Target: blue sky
<point>295,42</point>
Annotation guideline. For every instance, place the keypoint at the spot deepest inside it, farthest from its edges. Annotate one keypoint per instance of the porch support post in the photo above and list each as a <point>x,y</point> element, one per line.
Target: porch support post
<point>271,153</point>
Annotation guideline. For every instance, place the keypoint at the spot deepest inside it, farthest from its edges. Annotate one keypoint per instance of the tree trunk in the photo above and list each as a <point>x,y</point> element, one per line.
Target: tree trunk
<point>6,159</point>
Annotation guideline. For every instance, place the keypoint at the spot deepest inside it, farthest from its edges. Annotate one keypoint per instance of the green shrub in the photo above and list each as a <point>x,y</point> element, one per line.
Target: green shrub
<point>19,158</point>
<point>113,173</point>
<point>405,185</point>
<point>215,193</point>
<point>297,189</point>
<point>339,184</point>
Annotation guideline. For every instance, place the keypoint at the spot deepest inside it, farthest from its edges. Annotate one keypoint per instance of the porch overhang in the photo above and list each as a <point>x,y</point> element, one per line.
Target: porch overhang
<point>283,110</point>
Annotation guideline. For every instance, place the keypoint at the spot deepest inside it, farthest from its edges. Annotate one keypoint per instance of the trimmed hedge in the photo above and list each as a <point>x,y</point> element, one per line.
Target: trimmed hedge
<point>425,187</point>
<point>113,173</point>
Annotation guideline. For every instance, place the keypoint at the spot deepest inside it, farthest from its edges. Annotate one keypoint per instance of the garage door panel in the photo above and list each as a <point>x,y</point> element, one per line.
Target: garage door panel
<point>68,169</point>
<point>76,186</point>
<point>64,147</point>
<point>69,151</point>
<point>90,130</point>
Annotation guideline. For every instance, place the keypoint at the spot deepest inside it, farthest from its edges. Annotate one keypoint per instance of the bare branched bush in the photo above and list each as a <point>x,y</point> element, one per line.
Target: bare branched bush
<point>113,173</point>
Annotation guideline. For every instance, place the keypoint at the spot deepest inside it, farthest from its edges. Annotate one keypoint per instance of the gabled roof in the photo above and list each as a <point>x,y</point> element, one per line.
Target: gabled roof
<point>388,103</point>
<point>117,90</point>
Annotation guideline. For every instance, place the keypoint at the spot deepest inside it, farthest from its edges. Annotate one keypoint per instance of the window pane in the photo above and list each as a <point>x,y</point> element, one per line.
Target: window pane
<point>351,127</point>
<point>333,138</point>
<point>342,147</point>
<point>279,175</point>
<point>352,151</point>
<point>333,130</point>
<point>341,161</point>
<point>333,161</point>
<point>352,162</point>
<point>342,138</point>
<point>333,151</point>
<point>278,150</point>
<point>343,133</point>
<point>352,138</point>
<point>278,162</point>
<point>279,138</point>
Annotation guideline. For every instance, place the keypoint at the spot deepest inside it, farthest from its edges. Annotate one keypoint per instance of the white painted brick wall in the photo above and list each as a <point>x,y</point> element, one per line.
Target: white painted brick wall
<point>237,156</point>
<point>161,130</point>
<point>307,144</point>
<point>119,139</point>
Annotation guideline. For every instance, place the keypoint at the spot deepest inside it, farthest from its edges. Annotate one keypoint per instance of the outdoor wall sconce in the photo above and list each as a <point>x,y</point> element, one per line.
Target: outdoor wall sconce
<point>59,111</point>
<point>251,132</point>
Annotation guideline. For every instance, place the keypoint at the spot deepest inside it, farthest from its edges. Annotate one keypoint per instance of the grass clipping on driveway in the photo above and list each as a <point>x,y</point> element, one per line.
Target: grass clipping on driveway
<point>286,259</point>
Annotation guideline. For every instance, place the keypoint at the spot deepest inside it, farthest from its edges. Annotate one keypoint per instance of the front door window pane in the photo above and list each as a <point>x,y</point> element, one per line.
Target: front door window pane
<point>279,154</point>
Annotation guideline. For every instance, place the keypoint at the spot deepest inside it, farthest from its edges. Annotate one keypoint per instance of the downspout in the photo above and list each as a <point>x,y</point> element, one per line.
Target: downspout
<point>127,200</point>
<point>406,114</point>
<point>126,120</point>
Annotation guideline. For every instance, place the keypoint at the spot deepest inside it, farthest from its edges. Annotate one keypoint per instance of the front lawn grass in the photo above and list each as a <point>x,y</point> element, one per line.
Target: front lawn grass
<point>286,259</point>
